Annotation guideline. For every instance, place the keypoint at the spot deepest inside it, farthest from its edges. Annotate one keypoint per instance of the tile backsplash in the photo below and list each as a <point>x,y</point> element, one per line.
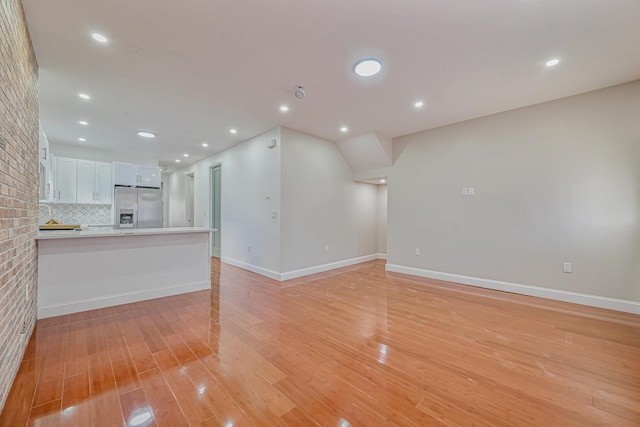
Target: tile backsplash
<point>70,213</point>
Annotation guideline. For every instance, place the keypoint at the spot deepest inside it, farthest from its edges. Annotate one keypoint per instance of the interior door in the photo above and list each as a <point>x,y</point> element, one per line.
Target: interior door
<point>216,191</point>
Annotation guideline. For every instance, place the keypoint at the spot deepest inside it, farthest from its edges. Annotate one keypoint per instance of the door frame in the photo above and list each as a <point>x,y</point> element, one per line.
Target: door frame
<point>213,166</point>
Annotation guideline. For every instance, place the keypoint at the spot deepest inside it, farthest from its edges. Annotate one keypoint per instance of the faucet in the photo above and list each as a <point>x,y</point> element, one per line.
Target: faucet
<point>48,207</point>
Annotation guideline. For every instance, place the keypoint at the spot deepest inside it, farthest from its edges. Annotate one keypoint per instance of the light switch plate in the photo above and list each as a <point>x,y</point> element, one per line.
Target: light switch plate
<point>567,267</point>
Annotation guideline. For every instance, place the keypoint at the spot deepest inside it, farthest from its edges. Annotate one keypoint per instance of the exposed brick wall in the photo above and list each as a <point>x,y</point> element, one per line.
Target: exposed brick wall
<point>19,170</point>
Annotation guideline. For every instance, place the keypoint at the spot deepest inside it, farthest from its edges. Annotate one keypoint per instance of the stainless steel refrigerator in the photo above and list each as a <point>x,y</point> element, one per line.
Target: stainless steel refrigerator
<point>138,207</point>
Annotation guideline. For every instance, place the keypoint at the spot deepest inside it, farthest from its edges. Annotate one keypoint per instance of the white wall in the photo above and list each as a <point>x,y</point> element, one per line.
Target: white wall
<point>554,182</point>
<point>322,205</point>
<point>250,173</point>
<point>87,153</point>
<point>382,219</point>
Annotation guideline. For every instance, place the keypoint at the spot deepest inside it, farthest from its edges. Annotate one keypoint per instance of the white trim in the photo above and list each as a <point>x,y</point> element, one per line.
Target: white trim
<point>382,256</point>
<point>294,274</point>
<point>253,268</point>
<point>119,299</point>
<point>516,288</point>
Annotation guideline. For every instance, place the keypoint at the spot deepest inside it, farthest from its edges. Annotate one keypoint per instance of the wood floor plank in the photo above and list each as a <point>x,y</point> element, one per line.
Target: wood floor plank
<point>358,346</point>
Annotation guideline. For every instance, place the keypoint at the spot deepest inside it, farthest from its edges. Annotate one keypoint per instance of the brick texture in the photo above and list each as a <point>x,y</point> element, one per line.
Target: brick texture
<point>19,170</point>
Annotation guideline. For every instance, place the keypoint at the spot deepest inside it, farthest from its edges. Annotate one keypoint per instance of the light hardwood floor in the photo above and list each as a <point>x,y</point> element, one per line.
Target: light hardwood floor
<point>353,347</point>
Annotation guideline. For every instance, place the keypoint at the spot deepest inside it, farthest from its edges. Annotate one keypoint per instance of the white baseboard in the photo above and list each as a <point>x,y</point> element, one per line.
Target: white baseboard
<point>253,268</point>
<point>112,300</point>
<point>294,274</point>
<point>382,256</point>
<point>516,288</point>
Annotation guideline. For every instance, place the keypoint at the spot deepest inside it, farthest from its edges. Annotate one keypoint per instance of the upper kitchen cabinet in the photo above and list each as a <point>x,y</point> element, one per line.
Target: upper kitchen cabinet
<point>94,184</point>
<point>136,175</point>
<point>66,180</point>
<point>46,173</point>
<point>149,176</point>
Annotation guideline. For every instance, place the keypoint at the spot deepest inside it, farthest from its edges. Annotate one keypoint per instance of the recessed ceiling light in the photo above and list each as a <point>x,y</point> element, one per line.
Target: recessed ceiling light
<point>233,131</point>
<point>186,155</point>
<point>284,108</point>
<point>81,139</point>
<point>177,160</point>
<point>83,123</point>
<point>368,67</point>
<point>382,181</point>
<point>204,144</point>
<point>418,104</point>
<point>146,134</point>
<point>99,38</point>
<point>84,96</point>
<point>552,62</point>
<point>344,129</point>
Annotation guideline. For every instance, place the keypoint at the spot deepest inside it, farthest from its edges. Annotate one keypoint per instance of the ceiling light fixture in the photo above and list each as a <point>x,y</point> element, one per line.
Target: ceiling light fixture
<point>83,123</point>
<point>177,160</point>
<point>233,131</point>
<point>146,134</point>
<point>344,129</point>
<point>99,38</point>
<point>84,96</point>
<point>368,67</point>
<point>552,62</point>
<point>418,104</point>
<point>186,155</point>
<point>81,139</point>
<point>205,145</point>
<point>382,181</point>
<point>284,108</point>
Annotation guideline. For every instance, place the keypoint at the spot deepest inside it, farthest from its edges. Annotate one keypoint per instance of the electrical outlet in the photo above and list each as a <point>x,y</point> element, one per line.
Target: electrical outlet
<point>567,267</point>
<point>472,191</point>
<point>274,215</point>
<point>326,248</point>
<point>417,251</point>
<point>248,248</point>
<point>465,191</point>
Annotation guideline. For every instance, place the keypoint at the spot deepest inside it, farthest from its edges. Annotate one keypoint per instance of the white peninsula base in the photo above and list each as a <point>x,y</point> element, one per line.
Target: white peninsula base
<point>86,270</point>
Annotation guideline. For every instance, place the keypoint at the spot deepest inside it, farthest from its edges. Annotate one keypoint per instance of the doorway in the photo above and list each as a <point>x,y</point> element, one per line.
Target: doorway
<point>189,200</point>
<point>216,175</point>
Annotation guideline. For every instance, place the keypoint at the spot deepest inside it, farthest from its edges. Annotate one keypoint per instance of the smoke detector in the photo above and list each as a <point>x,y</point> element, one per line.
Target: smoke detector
<point>298,91</point>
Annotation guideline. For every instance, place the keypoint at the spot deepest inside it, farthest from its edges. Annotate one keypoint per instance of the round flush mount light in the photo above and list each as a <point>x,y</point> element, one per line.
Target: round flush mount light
<point>382,181</point>
<point>205,145</point>
<point>84,96</point>
<point>83,123</point>
<point>344,129</point>
<point>99,38</point>
<point>368,67</point>
<point>284,108</point>
<point>418,104</point>
<point>146,134</point>
<point>82,139</point>
<point>234,131</point>
<point>186,155</point>
<point>552,62</point>
<point>177,160</point>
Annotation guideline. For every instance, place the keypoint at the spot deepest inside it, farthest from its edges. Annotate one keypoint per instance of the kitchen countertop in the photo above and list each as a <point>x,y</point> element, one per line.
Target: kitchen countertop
<point>73,234</point>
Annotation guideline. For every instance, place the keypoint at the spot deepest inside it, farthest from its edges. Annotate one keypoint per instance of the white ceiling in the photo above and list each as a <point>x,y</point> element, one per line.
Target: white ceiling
<point>190,70</point>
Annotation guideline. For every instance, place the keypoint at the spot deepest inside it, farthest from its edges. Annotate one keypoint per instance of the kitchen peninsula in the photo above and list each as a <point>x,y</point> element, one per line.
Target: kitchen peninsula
<point>86,270</point>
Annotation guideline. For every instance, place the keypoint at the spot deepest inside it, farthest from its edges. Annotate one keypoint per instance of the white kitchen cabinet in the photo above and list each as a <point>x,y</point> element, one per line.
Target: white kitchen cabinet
<point>94,183</point>
<point>149,176</point>
<point>46,174</point>
<point>65,180</point>
<point>125,173</point>
<point>136,175</point>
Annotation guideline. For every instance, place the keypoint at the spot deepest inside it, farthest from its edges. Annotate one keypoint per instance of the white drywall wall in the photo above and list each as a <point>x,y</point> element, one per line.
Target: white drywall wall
<point>250,173</point>
<point>553,182</point>
<point>322,205</point>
